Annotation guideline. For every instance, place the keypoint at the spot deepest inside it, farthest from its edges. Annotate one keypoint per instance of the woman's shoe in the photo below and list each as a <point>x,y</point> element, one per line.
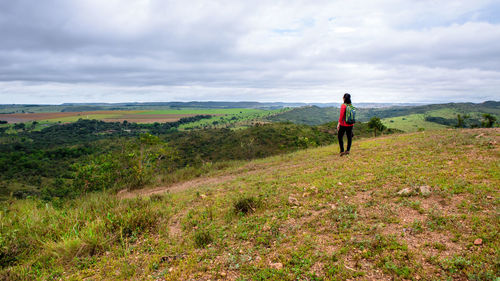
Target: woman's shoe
<point>347,152</point>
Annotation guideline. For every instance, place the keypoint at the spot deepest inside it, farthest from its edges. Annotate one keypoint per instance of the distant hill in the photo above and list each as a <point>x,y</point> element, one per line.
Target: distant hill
<point>309,115</point>
<point>313,115</point>
<point>76,107</point>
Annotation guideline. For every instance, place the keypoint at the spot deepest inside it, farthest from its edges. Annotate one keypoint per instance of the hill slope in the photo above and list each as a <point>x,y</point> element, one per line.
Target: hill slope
<point>309,215</point>
<point>410,117</point>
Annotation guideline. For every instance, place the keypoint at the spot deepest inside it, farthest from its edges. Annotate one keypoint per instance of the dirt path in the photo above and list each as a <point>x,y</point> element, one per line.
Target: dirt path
<point>176,187</point>
<point>245,170</point>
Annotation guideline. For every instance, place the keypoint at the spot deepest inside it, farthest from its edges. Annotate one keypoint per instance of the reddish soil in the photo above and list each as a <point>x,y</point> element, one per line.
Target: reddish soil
<point>23,117</point>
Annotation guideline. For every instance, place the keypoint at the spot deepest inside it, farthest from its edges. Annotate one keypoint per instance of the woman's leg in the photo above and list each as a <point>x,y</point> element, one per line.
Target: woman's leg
<point>349,137</point>
<point>340,135</point>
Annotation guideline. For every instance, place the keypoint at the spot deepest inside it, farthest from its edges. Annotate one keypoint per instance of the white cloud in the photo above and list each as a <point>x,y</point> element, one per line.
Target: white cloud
<point>138,50</point>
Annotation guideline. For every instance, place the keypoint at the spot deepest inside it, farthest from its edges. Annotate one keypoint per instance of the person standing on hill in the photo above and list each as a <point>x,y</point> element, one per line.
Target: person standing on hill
<point>346,123</point>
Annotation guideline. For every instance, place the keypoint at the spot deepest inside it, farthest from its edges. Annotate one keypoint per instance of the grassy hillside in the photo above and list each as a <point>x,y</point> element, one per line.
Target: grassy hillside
<point>237,120</point>
<point>309,115</point>
<point>442,117</point>
<point>309,215</point>
<point>411,123</point>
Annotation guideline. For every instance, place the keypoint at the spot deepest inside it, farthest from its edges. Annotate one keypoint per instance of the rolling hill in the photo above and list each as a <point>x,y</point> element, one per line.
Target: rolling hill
<point>410,206</point>
<point>406,118</point>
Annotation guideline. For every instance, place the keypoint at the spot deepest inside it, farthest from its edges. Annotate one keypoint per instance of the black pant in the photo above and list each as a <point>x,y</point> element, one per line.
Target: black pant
<point>348,131</point>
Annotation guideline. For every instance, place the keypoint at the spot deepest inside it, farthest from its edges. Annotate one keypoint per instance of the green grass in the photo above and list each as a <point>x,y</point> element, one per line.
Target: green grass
<point>241,115</point>
<point>203,111</point>
<point>346,221</point>
<point>234,120</point>
<point>414,122</point>
<point>411,123</point>
<point>448,113</point>
<point>452,113</point>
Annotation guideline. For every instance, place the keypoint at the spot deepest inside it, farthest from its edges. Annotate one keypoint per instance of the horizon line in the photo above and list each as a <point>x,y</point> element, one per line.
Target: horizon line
<point>222,101</point>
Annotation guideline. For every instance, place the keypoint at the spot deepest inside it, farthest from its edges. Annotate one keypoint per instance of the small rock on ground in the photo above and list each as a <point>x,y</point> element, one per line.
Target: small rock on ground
<point>405,191</point>
<point>425,190</point>
<point>277,265</point>
<point>293,201</point>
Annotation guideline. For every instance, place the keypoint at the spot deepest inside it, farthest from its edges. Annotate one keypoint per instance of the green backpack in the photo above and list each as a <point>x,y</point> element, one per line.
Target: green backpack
<point>350,114</point>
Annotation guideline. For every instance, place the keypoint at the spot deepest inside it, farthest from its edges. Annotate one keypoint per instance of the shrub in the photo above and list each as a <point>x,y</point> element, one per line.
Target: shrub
<point>202,238</point>
<point>132,217</point>
<point>12,247</point>
<point>99,174</point>
<point>245,205</point>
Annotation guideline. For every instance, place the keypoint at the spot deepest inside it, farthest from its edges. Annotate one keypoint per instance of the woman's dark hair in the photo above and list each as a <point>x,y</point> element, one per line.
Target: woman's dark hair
<point>347,98</point>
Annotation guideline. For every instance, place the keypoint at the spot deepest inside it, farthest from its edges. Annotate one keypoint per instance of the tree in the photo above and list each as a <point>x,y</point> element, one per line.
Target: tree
<point>18,126</point>
<point>488,120</point>
<point>376,124</point>
<point>461,120</point>
<point>33,125</point>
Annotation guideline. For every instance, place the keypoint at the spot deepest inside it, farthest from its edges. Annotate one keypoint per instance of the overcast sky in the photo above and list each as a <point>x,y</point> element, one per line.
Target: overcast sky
<point>56,51</point>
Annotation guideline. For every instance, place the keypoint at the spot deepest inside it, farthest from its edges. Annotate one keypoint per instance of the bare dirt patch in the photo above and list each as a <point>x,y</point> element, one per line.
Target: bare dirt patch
<point>24,117</point>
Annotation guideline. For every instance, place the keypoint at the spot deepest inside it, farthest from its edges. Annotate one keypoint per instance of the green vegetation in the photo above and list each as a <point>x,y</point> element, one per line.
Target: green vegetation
<point>51,161</point>
<point>376,125</point>
<point>405,118</point>
<point>90,155</point>
<point>246,205</point>
<point>488,120</point>
<point>309,115</point>
<point>84,117</point>
<point>307,215</point>
<point>76,202</point>
<point>202,111</point>
<point>412,123</point>
<point>237,120</point>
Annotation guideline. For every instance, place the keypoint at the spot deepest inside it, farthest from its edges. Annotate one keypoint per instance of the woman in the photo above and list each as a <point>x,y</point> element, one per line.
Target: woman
<point>343,127</point>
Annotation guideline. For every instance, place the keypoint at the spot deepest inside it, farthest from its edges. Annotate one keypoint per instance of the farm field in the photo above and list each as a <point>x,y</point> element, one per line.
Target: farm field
<point>137,116</point>
<point>62,116</point>
<point>204,111</point>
